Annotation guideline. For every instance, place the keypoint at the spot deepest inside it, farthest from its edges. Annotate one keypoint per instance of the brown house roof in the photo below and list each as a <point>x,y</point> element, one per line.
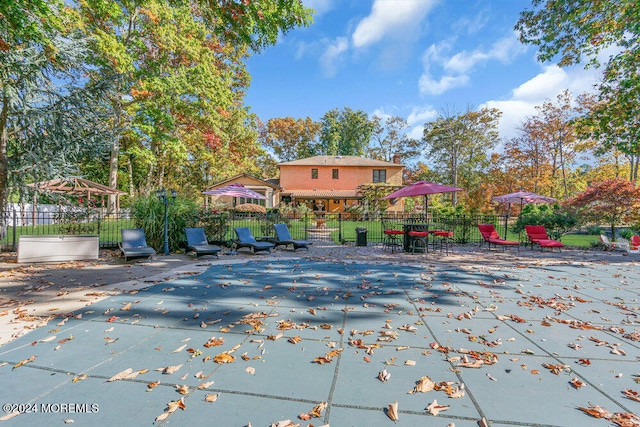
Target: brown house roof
<point>339,161</point>
<point>268,183</point>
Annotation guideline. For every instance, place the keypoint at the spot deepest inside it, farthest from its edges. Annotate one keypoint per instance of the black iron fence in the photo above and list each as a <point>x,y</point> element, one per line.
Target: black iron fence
<point>336,227</point>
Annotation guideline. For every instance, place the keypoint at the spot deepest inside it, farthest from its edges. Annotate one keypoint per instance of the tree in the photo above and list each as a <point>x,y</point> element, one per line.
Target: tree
<point>612,201</point>
<point>577,29</point>
<point>179,67</point>
<point>458,145</point>
<point>345,133</point>
<point>289,138</point>
<point>49,117</point>
<point>389,139</point>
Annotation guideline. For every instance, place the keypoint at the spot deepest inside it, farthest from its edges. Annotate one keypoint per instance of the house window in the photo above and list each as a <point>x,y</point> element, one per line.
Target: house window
<point>314,173</point>
<point>335,174</point>
<point>379,175</point>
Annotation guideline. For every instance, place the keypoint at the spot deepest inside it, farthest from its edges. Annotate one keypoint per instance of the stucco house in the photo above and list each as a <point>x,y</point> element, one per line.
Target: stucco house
<point>332,183</point>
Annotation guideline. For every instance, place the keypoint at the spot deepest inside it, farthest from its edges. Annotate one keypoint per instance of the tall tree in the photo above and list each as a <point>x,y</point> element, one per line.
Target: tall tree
<point>345,133</point>
<point>458,144</point>
<point>613,201</point>
<point>389,138</point>
<point>554,126</point>
<point>148,46</point>
<point>49,117</point>
<point>289,138</point>
<point>572,30</point>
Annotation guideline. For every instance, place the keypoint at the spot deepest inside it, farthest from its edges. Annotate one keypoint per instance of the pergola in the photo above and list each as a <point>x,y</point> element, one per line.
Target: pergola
<point>77,186</point>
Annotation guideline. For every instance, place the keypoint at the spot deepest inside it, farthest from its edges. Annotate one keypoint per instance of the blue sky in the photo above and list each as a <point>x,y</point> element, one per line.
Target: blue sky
<point>408,58</point>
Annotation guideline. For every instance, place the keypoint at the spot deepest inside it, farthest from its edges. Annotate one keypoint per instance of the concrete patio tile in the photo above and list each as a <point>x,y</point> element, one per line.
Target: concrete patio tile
<point>370,416</point>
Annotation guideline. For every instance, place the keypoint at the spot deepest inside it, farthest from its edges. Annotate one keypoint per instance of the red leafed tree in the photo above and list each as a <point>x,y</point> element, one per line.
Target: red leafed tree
<point>614,201</point>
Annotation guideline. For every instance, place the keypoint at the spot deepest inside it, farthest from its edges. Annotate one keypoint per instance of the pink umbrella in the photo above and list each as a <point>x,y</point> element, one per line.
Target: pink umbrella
<point>523,197</point>
<point>422,188</point>
<point>235,190</point>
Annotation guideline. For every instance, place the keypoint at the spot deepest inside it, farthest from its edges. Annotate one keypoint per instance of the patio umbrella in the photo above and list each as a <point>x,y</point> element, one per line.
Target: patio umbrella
<point>422,188</point>
<point>234,190</point>
<point>524,197</point>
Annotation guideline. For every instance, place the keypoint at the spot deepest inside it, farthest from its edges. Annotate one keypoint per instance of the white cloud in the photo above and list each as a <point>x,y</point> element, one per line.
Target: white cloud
<point>397,19</point>
<point>429,85</point>
<point>546,85</point>
<point>319,6</point>
<point>333,55</point>
<point>503,50</point>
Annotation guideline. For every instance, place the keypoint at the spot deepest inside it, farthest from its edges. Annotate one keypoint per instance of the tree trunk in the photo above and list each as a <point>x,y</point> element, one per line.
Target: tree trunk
<point>4,140</point>
<point>115,150</point>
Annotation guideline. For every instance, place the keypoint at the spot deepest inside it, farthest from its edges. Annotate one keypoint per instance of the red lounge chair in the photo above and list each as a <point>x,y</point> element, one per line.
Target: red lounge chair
<point>491,237</point>
<point>537,234</point>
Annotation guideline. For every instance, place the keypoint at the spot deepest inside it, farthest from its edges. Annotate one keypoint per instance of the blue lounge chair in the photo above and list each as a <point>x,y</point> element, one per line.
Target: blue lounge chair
<point>134,244</point>
<point>283,238</point>
<point>246,240</point>
<point>197,242</point>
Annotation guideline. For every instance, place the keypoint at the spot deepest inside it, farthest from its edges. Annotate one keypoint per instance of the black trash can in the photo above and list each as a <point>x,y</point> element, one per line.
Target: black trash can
<point>361,236</point>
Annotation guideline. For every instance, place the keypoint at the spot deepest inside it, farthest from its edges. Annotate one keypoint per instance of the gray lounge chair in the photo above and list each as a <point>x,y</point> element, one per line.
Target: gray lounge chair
<point>197,242</point>
<point>283,238</point>
<point>134,244</point>
<point>246,240</point>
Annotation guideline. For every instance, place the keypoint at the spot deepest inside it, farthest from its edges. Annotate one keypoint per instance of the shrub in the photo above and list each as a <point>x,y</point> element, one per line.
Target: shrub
<point>625,233</point>
<point>555,219</point>
<point>250,208</point>
<point>594,230</point>
<point>148,214</point>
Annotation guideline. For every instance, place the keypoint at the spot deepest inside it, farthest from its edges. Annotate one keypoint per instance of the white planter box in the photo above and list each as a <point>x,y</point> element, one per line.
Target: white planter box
<point>57,248</point>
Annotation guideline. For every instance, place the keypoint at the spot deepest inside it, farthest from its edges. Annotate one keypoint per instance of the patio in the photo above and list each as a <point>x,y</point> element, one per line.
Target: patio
<point>526,341</point>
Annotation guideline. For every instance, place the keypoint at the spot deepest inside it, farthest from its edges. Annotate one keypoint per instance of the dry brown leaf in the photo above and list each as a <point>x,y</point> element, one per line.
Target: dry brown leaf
<point>384,375</point>
<point>172,406</point>
<point>224,358</point>
<point>214,342</point>
<point>210,397</point>
<point>152,385</point>
<point>434,408</point>
<point>576,383</point>
<point>171,369</point>
<point>392,411</point>
<point>80,378</point>
<point>179,349</point>
<point>295,340</point>
<point>317,410</point>
<point>24,361</point>
<point>121,375</point>
<point>630,394</point>
<point>250,370</point>
<point>126,307</point>
<point>205,385</point>
<point>423,385</point>
<point>182,389</point>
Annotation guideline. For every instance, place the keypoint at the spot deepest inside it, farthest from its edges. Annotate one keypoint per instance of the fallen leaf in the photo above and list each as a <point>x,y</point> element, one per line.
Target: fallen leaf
<point>250,370</point>
<point>423,385</point>
<point>630,394</point>
<point>384,375</point>
<point>80,378</point>
<point>152,385</point>
<point>182,389</point>
<point>576,383</point>
<point>224,358</point>
<point>205,385</point>
<point>171,369</point>
<point>434,408</point>
<point>121,375</point>
<point>25,361</point>
<point>392,411</point>
<point>172,406</point>
<point>179,349</point>
<point>210,397</point>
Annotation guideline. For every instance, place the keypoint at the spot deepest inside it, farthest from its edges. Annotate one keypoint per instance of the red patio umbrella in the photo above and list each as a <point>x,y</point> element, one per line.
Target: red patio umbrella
<point>422,188</point>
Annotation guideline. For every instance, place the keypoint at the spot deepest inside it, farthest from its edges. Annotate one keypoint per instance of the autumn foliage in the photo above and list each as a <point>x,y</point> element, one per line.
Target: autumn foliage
<point>613,201</point>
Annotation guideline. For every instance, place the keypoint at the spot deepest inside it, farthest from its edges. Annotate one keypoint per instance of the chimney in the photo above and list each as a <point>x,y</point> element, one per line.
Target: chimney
<point>397,158</point>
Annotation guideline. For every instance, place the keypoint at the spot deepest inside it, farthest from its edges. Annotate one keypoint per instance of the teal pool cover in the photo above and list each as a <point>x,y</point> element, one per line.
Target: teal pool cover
<point>336,343</point>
